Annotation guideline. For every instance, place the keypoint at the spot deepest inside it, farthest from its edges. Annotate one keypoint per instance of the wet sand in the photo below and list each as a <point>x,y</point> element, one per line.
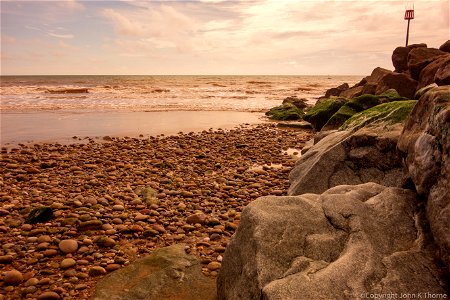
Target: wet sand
<point>56,126</point>
<point>118,200</point>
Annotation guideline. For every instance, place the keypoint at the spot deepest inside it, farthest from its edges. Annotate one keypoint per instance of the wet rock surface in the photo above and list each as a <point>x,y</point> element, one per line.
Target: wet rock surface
<point>116,201</point>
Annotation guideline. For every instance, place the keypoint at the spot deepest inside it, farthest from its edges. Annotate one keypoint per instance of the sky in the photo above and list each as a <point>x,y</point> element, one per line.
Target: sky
<point>211,37</point>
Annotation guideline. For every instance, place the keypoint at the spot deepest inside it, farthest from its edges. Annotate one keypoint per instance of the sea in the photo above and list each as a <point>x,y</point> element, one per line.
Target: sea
<point>46,107</point>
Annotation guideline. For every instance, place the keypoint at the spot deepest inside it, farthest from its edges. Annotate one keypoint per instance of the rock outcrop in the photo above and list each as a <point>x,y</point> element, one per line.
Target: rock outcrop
<point>437,71</point>
<point>365,151</point>
<point>348,242</point>
<point>402,83</point>
<point>419,58</point>
<point>368,211</point>
<point>400,57</point>
<point>425,145</point>
<point>348,158</point>
<point>337,90</point>
<point>359,104</point>
<point>319,115</point>
<point>168,273</point>
<point>445,46</point>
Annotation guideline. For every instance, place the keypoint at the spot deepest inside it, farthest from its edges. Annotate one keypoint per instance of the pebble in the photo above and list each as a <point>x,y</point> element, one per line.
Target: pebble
<point>118,207</point>
<point>196,219</point>
<point>13,277</point>
<point>95,191</point>
<point>214,265</point>
<point>67,263</point>
<point>112,267</point>
<point>48,296</point>
<point>97,271</point>
<point>50,252</point>
<point>6,259</point>
<point>68,246</point>
<point>105,241</point>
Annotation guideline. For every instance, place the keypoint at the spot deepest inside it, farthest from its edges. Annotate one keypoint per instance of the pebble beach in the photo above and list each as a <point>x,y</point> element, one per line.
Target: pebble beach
<point>108,202</point>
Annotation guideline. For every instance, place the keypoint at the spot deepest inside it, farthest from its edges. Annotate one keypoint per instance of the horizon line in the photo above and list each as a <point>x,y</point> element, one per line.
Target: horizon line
<point>4,75</point>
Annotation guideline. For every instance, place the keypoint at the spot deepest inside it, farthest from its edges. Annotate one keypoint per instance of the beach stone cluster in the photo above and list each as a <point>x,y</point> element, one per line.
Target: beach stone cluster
<point>72,213</point>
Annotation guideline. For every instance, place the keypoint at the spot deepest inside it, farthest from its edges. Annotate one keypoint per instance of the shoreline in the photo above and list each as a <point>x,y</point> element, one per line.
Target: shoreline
<point>135,195</point>
<point>68,127</point>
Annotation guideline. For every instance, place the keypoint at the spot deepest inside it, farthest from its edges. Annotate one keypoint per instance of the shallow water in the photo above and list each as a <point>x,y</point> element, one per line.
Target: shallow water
<point>34,108</point>
<point>157,93</point>
<point>62,127</point>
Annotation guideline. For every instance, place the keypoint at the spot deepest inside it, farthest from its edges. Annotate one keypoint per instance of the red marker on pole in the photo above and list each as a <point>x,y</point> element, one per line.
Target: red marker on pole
<point>409,15</point>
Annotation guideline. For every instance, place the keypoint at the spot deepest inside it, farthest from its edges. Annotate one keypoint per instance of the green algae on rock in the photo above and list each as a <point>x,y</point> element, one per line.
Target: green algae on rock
<point>322,111</point>
<point>287,111</point>
<point>388,113</point>
<point>359,104</point>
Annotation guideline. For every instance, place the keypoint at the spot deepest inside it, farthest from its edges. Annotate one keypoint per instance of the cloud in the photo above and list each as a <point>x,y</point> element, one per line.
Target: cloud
<point>72,5</point>
<point>61,36</point>
<point>122,24</point>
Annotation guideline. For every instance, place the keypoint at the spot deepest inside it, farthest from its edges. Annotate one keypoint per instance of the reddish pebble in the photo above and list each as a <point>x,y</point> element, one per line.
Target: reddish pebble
<point>48,296</point>
<point>68,246</point>
<point>12,277</point>
<point>27,227</point>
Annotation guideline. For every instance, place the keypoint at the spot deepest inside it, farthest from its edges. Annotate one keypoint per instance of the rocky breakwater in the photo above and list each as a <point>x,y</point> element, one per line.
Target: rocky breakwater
<point>355,224</point>
<point>71,214</point>
<point>425,146</point>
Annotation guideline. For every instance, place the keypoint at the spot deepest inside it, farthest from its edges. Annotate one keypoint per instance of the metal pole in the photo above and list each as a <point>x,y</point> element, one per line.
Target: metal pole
<point>407,34</point>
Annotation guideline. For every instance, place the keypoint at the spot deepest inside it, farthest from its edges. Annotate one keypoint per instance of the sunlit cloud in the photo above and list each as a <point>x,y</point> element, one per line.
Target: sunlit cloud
<point>218,37</point>
<point>61,36</point>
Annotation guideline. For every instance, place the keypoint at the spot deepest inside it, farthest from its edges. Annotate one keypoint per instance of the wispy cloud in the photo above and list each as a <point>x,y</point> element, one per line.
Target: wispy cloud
<point>61,36</point>
<point>215,36</point>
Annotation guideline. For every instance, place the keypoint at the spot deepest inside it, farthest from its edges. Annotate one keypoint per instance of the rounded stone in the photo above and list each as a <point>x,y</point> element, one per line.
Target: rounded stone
<point>106,242</point>
<point>13,277</point>
<point>32,282</point>
<point>67,263</point>
<point>6,259</point>
<point>68,246</point>
<point>48,296</point>
<point>214,265</point>
<point>118,207</point>
<point>97,271</point>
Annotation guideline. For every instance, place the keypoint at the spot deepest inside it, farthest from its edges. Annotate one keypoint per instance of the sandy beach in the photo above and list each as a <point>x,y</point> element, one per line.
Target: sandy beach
<point>69,126</point>
<point>115,201</point>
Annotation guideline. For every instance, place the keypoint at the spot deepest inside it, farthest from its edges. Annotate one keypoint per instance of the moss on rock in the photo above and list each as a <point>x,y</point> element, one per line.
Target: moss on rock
<point>388,113</point>
<point>319,115</point>
<point>287,111</point>
<point>359,104</point>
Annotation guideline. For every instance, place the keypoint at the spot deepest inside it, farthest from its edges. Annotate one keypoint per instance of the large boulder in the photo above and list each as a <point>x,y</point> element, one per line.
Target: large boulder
<point>442,76</point>
<point>419,58</point>
<point>168,273</point>
<point>445,46</point>
<point>437,71</point>
<point>345,158</point>
<point>348,243</point>
<point>425,145</point>
<point>359,104</point>
<point>401,82</point>
<point>365,151</point>
<point>301,103</point>
<point>376,75</point>
<point>352,92</point>
<point>322,111</point>
<point>381,116</point>
<point>400,57</point>
<point>337,90</point>
<point>287,111</point>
